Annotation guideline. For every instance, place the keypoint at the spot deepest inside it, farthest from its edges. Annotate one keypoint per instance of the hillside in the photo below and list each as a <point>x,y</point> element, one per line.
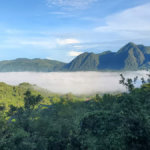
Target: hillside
<point>84,62</point>
<point>24,64</point>
<point>14,95</point>
<point>129,57</point>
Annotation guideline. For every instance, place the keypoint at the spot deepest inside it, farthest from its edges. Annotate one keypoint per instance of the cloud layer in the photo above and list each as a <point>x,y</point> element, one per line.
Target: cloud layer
<point>75,82</point>
<point>131,23</point>
<point>67,41</point>
<point>74,53</point>
<point>77,4</point>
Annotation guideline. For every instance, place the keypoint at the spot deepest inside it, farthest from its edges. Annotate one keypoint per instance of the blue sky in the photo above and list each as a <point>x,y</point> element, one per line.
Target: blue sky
<point>63,29</point>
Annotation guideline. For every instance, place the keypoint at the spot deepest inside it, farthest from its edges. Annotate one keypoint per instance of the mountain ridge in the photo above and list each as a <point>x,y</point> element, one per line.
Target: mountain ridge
<point>129,57</point>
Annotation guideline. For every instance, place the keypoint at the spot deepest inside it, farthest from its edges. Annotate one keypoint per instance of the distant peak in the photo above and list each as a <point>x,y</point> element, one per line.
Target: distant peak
<point>127,47</point>
<point>84,53</point>
<point>141,46</point>
<point>36,58</point>
<point>106,52</point>
<point>131,43</point>
<point>91,53</point>
<point>22,59</point>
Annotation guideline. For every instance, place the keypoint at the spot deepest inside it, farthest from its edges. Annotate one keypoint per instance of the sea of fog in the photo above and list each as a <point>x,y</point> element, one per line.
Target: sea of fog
<point>75,82</point>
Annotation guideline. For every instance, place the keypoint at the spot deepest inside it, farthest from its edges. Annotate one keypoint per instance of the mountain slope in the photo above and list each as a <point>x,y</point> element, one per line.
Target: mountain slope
<point>23,64</point>
<point>129,57</point>
<point>84,62</point>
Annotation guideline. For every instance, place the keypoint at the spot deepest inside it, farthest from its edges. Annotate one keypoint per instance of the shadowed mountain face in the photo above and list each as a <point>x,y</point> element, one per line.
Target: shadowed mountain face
<point>129,57</point>
<point>84,62</point>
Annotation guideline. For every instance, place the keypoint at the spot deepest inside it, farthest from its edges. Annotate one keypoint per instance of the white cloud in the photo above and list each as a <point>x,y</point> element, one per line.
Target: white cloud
<point>49,58</point>
<point>58,13</point>
<point>91,19</point>
<point>131,23</point>
<point>74,53</point>
<point>39,44</point>
<point>67,41</point>
<point>77,4</point>
<point>12,31</point>
<point>53,43</point>
<point>49,43</point>
<point>75,82</point>
<point>86,46</point>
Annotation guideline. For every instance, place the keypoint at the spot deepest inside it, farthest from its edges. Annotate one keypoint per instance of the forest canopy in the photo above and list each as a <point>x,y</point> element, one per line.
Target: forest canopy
<point>38,120</point>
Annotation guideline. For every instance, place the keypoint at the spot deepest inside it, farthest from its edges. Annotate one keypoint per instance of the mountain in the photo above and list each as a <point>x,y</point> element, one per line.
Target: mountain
<point>129,57</point>
<point>84,62</point>
<point>23,64</point>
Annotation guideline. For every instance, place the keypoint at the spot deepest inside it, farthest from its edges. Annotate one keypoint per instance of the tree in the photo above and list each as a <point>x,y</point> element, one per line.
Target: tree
<point>129,84</point>
<point>31,100</point>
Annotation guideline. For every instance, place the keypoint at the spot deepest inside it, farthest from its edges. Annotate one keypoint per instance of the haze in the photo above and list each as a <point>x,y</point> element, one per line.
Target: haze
<point>75,82</point>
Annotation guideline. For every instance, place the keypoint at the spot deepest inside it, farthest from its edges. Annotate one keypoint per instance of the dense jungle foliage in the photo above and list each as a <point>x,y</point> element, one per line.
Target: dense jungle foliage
<point>108,122</point>
<point>14,95</point>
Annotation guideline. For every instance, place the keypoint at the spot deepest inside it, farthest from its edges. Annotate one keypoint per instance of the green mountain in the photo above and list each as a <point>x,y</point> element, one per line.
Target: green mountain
<point>85,61</point>
<point>129,57</point>
<point>23,64</point>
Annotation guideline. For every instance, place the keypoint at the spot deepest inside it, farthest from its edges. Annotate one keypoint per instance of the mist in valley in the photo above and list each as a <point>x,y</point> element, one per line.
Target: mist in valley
<point>74,82</point>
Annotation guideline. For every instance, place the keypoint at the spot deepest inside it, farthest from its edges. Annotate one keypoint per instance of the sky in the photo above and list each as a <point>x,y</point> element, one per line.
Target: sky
<point>63,29</point>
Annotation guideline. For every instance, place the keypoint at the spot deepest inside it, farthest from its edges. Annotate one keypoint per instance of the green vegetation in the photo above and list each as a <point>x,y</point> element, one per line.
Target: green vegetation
<point>13,96</point>
<point>108,122</point>
<point>130,57</point>
<point>84,62</point>
<point>23,64</point>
